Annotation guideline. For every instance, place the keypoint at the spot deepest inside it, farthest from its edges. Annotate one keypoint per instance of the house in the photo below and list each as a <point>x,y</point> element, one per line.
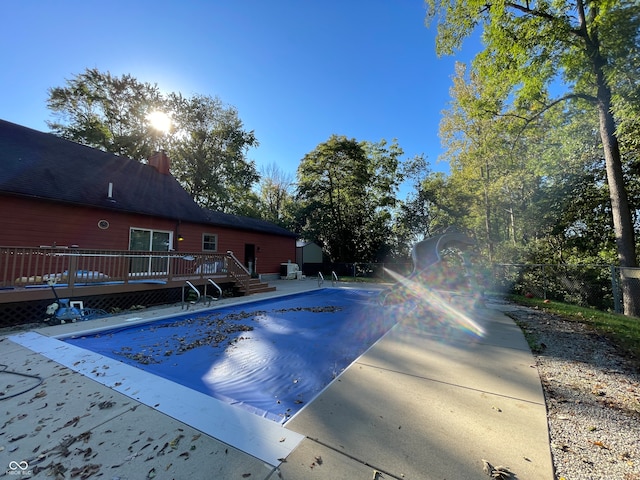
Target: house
<point>55,194</point>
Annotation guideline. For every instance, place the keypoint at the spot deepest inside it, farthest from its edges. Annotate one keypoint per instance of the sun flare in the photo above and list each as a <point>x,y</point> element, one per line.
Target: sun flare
<point>160,121</point>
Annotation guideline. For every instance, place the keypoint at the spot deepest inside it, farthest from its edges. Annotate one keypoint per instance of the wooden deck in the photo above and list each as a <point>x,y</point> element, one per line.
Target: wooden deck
<point>26,274</point>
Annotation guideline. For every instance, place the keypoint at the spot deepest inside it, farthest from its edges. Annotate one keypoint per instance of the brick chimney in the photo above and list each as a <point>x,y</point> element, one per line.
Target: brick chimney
<point>161,162</point>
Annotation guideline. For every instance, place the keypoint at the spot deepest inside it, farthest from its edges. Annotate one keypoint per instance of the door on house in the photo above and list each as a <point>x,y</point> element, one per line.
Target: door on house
<point>250,257</point>
<point>150,241</point>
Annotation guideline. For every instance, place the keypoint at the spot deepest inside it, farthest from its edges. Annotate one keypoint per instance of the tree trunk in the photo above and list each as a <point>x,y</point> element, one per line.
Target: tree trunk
<point>622,222</point>
<point>620,211</point>
<point>487,209</point>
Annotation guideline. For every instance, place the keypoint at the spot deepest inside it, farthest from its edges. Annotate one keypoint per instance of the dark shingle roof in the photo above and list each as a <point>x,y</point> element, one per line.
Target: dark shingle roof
<point>42,165</point>
<point>246,223</point>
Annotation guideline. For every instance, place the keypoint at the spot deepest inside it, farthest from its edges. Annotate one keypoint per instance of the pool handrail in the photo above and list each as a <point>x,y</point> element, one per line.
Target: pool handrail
<point>190,285</point>
<point>334,279</point>
<point>209,280</point>
<point>320,279</point>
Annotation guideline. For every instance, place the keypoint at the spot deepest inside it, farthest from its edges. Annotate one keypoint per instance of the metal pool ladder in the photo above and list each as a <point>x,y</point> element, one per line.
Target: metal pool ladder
<point>334,279</point>
<point>205,297</point>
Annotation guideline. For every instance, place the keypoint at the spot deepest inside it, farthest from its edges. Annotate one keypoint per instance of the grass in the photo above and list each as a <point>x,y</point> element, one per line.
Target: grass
<point>623,331</point>
<point>345,278</point>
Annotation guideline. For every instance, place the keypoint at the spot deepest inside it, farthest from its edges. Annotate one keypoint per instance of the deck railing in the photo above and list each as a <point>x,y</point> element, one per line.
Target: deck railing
<point>25,266</point>
<point>238,271</point>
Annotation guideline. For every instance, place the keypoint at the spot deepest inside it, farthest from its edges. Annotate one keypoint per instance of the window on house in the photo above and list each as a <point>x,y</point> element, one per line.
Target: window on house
<point>209,242</point>
<point>150,241</point>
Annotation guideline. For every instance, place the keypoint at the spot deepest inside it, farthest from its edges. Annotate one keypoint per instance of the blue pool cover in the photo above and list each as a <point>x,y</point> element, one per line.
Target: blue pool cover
<point>271,356</point>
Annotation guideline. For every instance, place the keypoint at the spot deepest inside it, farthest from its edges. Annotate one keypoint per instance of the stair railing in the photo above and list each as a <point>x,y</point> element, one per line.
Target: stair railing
<point>239,272</point>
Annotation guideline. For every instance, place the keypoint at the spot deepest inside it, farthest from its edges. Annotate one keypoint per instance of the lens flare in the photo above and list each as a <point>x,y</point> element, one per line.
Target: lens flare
<point>435,300</point>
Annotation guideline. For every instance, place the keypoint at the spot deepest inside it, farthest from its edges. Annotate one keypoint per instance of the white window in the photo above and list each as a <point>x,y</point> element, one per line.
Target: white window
<point>209,242</point>
<point>141,239</point>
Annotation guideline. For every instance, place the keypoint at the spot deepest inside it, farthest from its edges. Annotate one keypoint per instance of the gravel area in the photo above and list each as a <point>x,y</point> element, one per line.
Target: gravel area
<point>592,394</point>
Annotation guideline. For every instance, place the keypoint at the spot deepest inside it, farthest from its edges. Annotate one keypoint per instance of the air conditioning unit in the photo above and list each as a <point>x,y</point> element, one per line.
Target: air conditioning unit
<point>288,271</point>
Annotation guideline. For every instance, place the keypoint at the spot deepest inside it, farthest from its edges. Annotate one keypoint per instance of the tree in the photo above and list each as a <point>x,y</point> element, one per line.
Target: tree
<point>208,148</point>
<point>421,214</point>
<point>531,44</point>
<point>518,185</point>
<point>346,190</point>
<point>106,112</point>
<point>207,141</point>
<point>275,190</point>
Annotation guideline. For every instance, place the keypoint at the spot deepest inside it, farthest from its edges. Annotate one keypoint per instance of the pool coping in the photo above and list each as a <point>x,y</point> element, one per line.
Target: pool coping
<point>262,438</point>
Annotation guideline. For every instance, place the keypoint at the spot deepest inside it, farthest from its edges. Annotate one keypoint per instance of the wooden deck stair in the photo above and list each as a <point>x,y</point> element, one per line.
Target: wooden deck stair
<point>256,286</point>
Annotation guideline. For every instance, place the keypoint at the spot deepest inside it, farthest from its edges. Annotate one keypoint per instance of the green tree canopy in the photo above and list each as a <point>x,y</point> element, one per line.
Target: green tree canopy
<point>106,112</point>
<point>346,190</point>
<point>276,193</point>
<point>209,147</point>
<point>531,46</point>
<point>207,141</point>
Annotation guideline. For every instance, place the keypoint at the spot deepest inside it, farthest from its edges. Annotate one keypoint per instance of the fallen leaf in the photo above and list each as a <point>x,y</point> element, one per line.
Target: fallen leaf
<point>161,451</point>
<point>598,443</point>
<point>174,443</point>
<point>73,422</point>
<point>85,472</point>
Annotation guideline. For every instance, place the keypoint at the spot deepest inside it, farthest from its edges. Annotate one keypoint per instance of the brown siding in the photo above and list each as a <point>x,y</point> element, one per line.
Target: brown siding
<point>31,223</point>
<point>271,250</point>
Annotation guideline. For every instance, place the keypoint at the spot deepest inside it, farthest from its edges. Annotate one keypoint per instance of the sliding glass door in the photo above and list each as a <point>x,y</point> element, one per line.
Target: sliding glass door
<point>149,241</point>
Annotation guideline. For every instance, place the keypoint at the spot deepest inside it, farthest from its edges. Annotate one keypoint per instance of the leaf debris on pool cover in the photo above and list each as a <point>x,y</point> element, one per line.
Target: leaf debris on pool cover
<point>211,331</point>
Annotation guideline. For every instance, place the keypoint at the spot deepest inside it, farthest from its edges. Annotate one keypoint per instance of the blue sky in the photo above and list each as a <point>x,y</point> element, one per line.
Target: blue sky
<point>297,71</point>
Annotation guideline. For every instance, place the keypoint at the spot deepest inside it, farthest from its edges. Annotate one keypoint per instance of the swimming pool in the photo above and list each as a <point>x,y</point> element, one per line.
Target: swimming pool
<point>271,357</point>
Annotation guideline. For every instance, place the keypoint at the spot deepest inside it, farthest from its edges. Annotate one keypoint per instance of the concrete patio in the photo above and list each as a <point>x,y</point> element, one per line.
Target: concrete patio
<point>417,405</point>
